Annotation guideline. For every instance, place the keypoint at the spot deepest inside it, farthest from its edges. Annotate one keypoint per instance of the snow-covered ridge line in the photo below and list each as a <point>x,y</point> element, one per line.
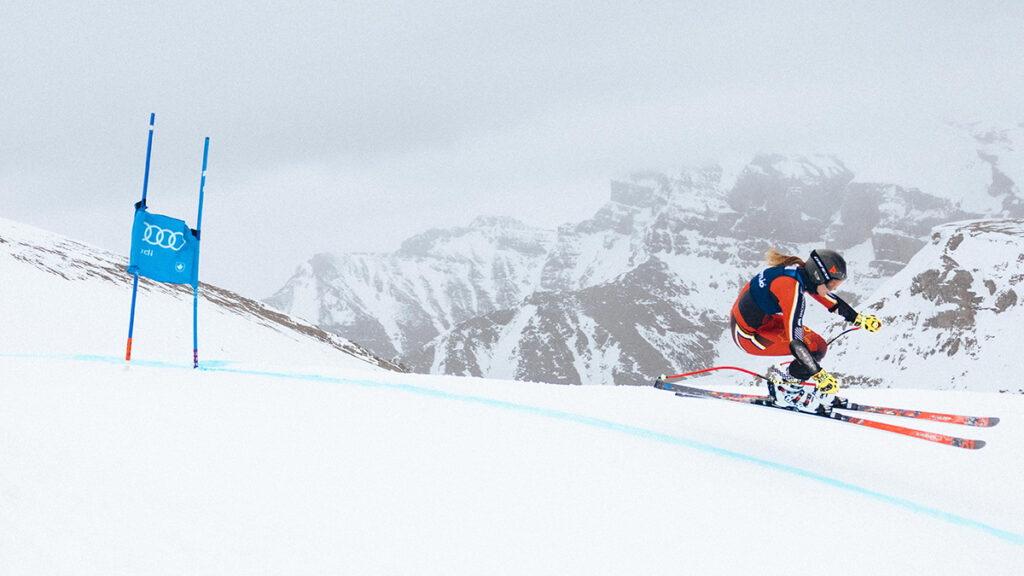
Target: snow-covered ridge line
<point>645,285</point>
<point>52,283</point>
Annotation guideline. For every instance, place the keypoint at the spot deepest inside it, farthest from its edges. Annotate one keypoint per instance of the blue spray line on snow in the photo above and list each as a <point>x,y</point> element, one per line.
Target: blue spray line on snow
<point>1005,535</point>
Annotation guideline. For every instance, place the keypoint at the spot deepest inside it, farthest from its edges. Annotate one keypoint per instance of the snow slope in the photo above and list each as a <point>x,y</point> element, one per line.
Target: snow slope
<point>154,469</point>
<point>288,454</point>
<point>59,296</point>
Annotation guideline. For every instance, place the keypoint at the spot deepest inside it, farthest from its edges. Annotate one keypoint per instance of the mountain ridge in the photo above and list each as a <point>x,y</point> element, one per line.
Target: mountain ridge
<point>701,232</point>
<point>42,269</point>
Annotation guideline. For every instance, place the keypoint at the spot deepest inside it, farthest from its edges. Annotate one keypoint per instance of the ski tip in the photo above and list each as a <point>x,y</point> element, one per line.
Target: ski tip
<point>968,444</point>
<point>980,422</point>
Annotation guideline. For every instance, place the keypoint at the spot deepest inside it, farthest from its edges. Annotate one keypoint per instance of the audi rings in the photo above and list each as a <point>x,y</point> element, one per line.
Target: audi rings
<point>163,238</point>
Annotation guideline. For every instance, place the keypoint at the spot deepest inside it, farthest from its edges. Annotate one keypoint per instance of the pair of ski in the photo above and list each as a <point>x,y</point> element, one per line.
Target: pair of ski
<point>663,383</point>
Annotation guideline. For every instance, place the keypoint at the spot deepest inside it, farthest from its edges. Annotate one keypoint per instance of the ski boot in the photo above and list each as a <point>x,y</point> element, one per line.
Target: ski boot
<point>788,392</point>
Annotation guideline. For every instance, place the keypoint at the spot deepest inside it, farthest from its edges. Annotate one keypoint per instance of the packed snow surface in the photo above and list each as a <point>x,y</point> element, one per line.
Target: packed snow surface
<point>154,468</point>
<point>292,453</point>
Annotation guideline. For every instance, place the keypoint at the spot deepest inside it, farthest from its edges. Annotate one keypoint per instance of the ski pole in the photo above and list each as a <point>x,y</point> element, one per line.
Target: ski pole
<point>694,373</point>
<point>745,371</point>
<point>847,331</point>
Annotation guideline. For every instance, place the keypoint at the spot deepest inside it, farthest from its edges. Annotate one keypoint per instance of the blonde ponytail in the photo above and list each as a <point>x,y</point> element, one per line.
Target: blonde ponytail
<point>775,259</point>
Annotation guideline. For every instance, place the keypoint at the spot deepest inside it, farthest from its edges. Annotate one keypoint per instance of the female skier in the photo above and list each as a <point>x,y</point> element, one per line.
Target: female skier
<point>767,320</point>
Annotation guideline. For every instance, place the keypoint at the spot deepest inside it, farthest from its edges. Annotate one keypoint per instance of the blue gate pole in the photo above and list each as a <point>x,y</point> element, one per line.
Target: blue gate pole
<point>135,283</point>
<point>195,289</point>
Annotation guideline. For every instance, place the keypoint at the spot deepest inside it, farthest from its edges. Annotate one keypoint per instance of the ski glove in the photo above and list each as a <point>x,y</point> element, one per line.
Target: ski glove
<point>869,323</point>
<point>827,383</point>
<point>843,309</point>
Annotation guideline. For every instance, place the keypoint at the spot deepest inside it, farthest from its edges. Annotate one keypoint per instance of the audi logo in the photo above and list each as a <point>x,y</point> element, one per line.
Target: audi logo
<point>163,238</point>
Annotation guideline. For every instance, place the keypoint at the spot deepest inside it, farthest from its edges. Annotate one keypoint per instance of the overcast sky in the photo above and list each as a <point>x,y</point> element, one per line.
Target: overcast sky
<point>349,126</point>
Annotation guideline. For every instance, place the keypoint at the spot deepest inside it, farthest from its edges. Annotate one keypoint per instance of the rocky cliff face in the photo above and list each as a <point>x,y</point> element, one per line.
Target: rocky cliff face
<point>642,287</point>
<point>396,303</point>
<point>956,304</point>
<point>613,332</point>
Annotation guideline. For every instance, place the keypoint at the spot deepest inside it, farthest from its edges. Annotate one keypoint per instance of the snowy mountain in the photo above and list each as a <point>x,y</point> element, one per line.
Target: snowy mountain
<point>58,298</point>
<point>642,287</point>
<point>953,311</point>
<point>395,303</point>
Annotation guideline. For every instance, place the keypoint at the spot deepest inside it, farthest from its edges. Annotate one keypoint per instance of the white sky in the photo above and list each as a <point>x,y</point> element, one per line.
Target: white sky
<point>348,126</point>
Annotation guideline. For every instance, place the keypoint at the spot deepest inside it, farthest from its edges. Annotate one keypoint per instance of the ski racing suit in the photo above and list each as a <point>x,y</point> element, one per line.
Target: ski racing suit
<point>768,318</point>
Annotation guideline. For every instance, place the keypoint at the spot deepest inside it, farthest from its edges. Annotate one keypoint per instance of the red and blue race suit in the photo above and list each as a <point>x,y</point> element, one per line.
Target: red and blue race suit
<point>768,318</point>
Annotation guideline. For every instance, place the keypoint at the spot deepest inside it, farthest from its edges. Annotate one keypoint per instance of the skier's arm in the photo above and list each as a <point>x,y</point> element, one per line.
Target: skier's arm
<point>829,300</point>
<point>869,323</point>
<point>839,306</point>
